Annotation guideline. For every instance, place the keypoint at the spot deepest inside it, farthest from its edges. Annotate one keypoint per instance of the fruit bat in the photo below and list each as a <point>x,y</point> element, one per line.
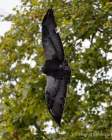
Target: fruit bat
<point>56,67</point>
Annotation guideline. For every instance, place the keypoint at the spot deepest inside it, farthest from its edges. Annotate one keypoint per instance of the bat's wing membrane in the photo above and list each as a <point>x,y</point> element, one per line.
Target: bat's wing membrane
<point>55,96</point>
<point>50,38</point>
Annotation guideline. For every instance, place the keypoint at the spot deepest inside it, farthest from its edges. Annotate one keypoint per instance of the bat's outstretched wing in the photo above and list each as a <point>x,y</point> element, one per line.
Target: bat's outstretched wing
<point>56,88</point>
<point>55,94</point>
<point>51,41</point>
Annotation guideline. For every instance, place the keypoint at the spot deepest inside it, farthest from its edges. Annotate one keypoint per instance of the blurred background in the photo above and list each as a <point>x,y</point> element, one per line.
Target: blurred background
<point>85,28</point>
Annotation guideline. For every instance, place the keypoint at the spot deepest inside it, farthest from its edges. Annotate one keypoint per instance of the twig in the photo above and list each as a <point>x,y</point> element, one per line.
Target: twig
<point>38,128</point>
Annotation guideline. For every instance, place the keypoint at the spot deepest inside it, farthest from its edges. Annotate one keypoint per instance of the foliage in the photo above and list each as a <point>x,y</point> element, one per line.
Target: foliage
<point>86,31</point>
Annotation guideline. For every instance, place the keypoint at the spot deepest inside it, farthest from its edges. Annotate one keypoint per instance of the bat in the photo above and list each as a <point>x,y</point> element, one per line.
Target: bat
<point>56,67</point>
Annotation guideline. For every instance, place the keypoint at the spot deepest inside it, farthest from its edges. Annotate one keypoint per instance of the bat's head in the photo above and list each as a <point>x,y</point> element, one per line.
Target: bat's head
<point>49,19</point>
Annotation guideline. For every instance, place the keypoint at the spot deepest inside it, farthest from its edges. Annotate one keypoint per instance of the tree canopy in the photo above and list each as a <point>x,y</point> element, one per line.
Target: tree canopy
<point>86,31</point>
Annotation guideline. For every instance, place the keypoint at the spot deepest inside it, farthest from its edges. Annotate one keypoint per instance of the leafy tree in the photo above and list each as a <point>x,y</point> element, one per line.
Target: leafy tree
<point>86,31</point>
